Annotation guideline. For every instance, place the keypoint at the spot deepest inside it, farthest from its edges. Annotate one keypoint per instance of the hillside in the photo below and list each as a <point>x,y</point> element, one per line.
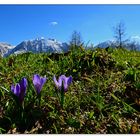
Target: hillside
<point>102,98</point>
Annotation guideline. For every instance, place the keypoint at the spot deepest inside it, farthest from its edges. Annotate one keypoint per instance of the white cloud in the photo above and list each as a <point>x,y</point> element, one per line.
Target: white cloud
<point>53,23</point>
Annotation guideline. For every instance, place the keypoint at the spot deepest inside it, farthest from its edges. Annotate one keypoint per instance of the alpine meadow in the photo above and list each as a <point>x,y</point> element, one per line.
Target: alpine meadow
<point>69,87</point>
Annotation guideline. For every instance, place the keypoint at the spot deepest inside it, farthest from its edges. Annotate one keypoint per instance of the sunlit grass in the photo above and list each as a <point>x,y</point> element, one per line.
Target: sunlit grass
<point>102,98</point>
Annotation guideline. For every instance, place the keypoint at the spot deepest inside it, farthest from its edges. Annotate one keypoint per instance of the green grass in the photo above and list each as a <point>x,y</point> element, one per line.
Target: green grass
<point>104,96</point>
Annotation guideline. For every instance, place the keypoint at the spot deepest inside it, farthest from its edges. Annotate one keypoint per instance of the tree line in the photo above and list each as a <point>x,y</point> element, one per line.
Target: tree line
<point>120,39</point>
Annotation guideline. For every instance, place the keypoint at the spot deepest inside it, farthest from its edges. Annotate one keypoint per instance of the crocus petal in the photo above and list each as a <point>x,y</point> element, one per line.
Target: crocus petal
<point>60,80</point>
<point>55,81</point>
<point>42,82</point>
<point>17,90</point>
<point>63,81</point>
<point>38,88</point>
<point>38,82</point>
<point>20,89</point>
<point>23,86</point>
<point>36,79</point>
<point>69,81</point>
<point>62,77</point>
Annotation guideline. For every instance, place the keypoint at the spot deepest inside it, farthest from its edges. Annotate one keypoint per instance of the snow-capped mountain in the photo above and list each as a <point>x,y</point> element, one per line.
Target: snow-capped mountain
<point>4,48</point>
<point>53,46</point>
<point>132,44</point>
<point>105,44</point>
<point>39,45</point>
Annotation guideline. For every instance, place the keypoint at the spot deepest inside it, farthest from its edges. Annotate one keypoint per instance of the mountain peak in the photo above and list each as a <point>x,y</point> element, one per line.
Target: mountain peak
<point>39,45</point>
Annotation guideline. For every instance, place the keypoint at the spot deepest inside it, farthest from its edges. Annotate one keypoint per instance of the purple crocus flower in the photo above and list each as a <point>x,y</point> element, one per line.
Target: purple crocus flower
<point>38,82</point>
<point>20,89</point>
<point>62,81</point>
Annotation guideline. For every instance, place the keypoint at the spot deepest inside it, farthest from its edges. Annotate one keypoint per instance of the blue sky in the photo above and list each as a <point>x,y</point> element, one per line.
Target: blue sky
<point>94,22</point>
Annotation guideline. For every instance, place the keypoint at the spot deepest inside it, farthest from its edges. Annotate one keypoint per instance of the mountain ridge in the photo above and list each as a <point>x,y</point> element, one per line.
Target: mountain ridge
<point>52,46</point>
<point>39,45</point>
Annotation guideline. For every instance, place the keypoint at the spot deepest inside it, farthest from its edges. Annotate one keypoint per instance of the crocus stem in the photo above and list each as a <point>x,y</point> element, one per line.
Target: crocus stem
<point>39,98</point>
<point>21,113</point>
<point>62,95</point>
<point>39,102</point>
<point>62,99</point>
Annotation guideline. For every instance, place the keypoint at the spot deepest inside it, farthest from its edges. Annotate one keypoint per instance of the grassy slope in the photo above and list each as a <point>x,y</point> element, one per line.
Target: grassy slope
<point>103,98</point>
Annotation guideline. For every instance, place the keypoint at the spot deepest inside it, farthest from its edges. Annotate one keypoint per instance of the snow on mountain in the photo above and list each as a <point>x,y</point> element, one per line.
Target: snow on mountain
<point>105,44</point>
<point>133,43</point>
<point>4,48</point>
<point>39,45</point>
